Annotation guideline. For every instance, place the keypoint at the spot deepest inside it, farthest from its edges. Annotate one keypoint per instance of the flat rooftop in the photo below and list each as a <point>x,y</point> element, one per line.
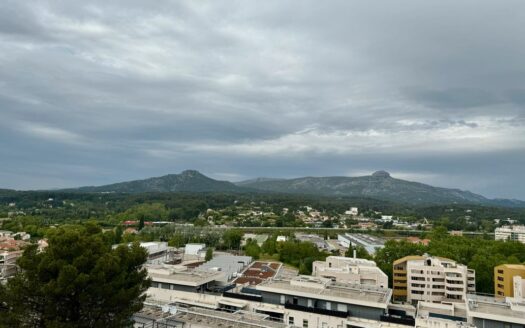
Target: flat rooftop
<point>185,278</point>
<point>228,264</point>
<point>489,306</point>
<point>258,272</point>
<point>335,291</point>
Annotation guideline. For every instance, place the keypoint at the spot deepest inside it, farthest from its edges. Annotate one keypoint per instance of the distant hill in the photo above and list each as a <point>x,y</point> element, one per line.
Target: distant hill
<point>379,185</point>
<point>187,181</point>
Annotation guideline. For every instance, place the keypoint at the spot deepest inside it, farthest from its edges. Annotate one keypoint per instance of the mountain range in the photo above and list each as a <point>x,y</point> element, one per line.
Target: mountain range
<point>380,185</point>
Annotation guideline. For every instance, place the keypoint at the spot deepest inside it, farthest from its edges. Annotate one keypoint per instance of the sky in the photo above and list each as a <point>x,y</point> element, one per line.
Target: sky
<point>97,92</point>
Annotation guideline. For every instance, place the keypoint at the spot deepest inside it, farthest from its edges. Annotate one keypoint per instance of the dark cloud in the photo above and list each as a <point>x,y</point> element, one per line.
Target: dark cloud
<point>104,91</point>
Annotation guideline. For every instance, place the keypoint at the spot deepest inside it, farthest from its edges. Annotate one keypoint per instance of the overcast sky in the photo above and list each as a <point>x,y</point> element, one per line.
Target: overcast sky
<point>97,92</point>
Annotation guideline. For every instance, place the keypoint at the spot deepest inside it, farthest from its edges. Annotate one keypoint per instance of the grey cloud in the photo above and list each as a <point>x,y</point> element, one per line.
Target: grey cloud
<point>144,89</point>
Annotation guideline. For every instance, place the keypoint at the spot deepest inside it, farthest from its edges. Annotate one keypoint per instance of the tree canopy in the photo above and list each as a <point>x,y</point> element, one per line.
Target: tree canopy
<point>78,281</point>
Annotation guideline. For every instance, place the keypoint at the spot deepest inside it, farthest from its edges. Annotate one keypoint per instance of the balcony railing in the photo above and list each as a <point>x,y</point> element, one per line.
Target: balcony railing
<point>334,313</point>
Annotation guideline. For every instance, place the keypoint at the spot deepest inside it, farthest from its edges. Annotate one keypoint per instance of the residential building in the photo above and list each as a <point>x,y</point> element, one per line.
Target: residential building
<point>504,276</point>
<point>352,211</point>
<point>350,270</point>
<point>431,279</point>
<point>516,232</point>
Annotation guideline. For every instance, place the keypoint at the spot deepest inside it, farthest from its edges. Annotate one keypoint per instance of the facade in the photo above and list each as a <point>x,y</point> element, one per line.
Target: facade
<point>350,270</point>
<point>431,279</point>
<point>516,233</point>
<point>504,279</point>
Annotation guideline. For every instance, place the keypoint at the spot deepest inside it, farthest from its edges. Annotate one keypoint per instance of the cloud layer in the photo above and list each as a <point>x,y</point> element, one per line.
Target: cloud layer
<point>103,91</point>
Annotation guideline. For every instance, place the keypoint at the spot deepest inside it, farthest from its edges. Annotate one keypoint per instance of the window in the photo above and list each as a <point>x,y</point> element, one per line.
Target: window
<point>305,323</point>
<point>282,299</point>
<point>310,303</point>
<point>290,320</point>
<point>295,301</point>
<point>328,305</point>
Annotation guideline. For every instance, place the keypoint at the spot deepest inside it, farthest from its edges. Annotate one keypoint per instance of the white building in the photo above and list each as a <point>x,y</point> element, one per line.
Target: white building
<point>431,279</point>
<point>281,238</point>
<point>350,270</point>
<point>157,252</point>
<point>516,233</point>
<point>442,315</point>
<point>194,249</point>
<point>303,301</point>
<point>352,211</point>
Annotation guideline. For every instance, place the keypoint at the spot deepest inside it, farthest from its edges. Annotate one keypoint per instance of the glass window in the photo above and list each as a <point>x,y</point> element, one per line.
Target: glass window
<point>290,320</point>
<point>305,323</point>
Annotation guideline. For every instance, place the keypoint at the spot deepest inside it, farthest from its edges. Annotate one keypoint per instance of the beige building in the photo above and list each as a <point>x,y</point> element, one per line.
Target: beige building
<point>509,280</point>
<point>350,270</point>
<point>431,279</point>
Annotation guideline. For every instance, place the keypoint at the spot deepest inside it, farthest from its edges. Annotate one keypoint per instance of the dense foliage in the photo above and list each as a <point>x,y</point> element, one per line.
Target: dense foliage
<point>78,281</point>
<point>479,254</point>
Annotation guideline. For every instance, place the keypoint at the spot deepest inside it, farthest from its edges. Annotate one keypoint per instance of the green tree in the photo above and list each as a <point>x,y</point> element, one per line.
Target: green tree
<point>209,254</point>
<point>78,281</point>
<point>232,238</point>
<point>360,251</point>
<point>118,234</point>
<point>141,224</point>
<point>252,249</point>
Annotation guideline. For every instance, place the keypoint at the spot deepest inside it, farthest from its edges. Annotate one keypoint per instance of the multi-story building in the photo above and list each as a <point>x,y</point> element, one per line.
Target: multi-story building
<point>516,233</point>
<point>350,270</point>
<point>504,276</point>
<point>431,279</point>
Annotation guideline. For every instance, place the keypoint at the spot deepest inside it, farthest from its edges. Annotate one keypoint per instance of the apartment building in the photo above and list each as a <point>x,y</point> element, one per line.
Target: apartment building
<point>431,279</point>
<point>350,270</point>
<point>516,233</point>
<point>504,279</point>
